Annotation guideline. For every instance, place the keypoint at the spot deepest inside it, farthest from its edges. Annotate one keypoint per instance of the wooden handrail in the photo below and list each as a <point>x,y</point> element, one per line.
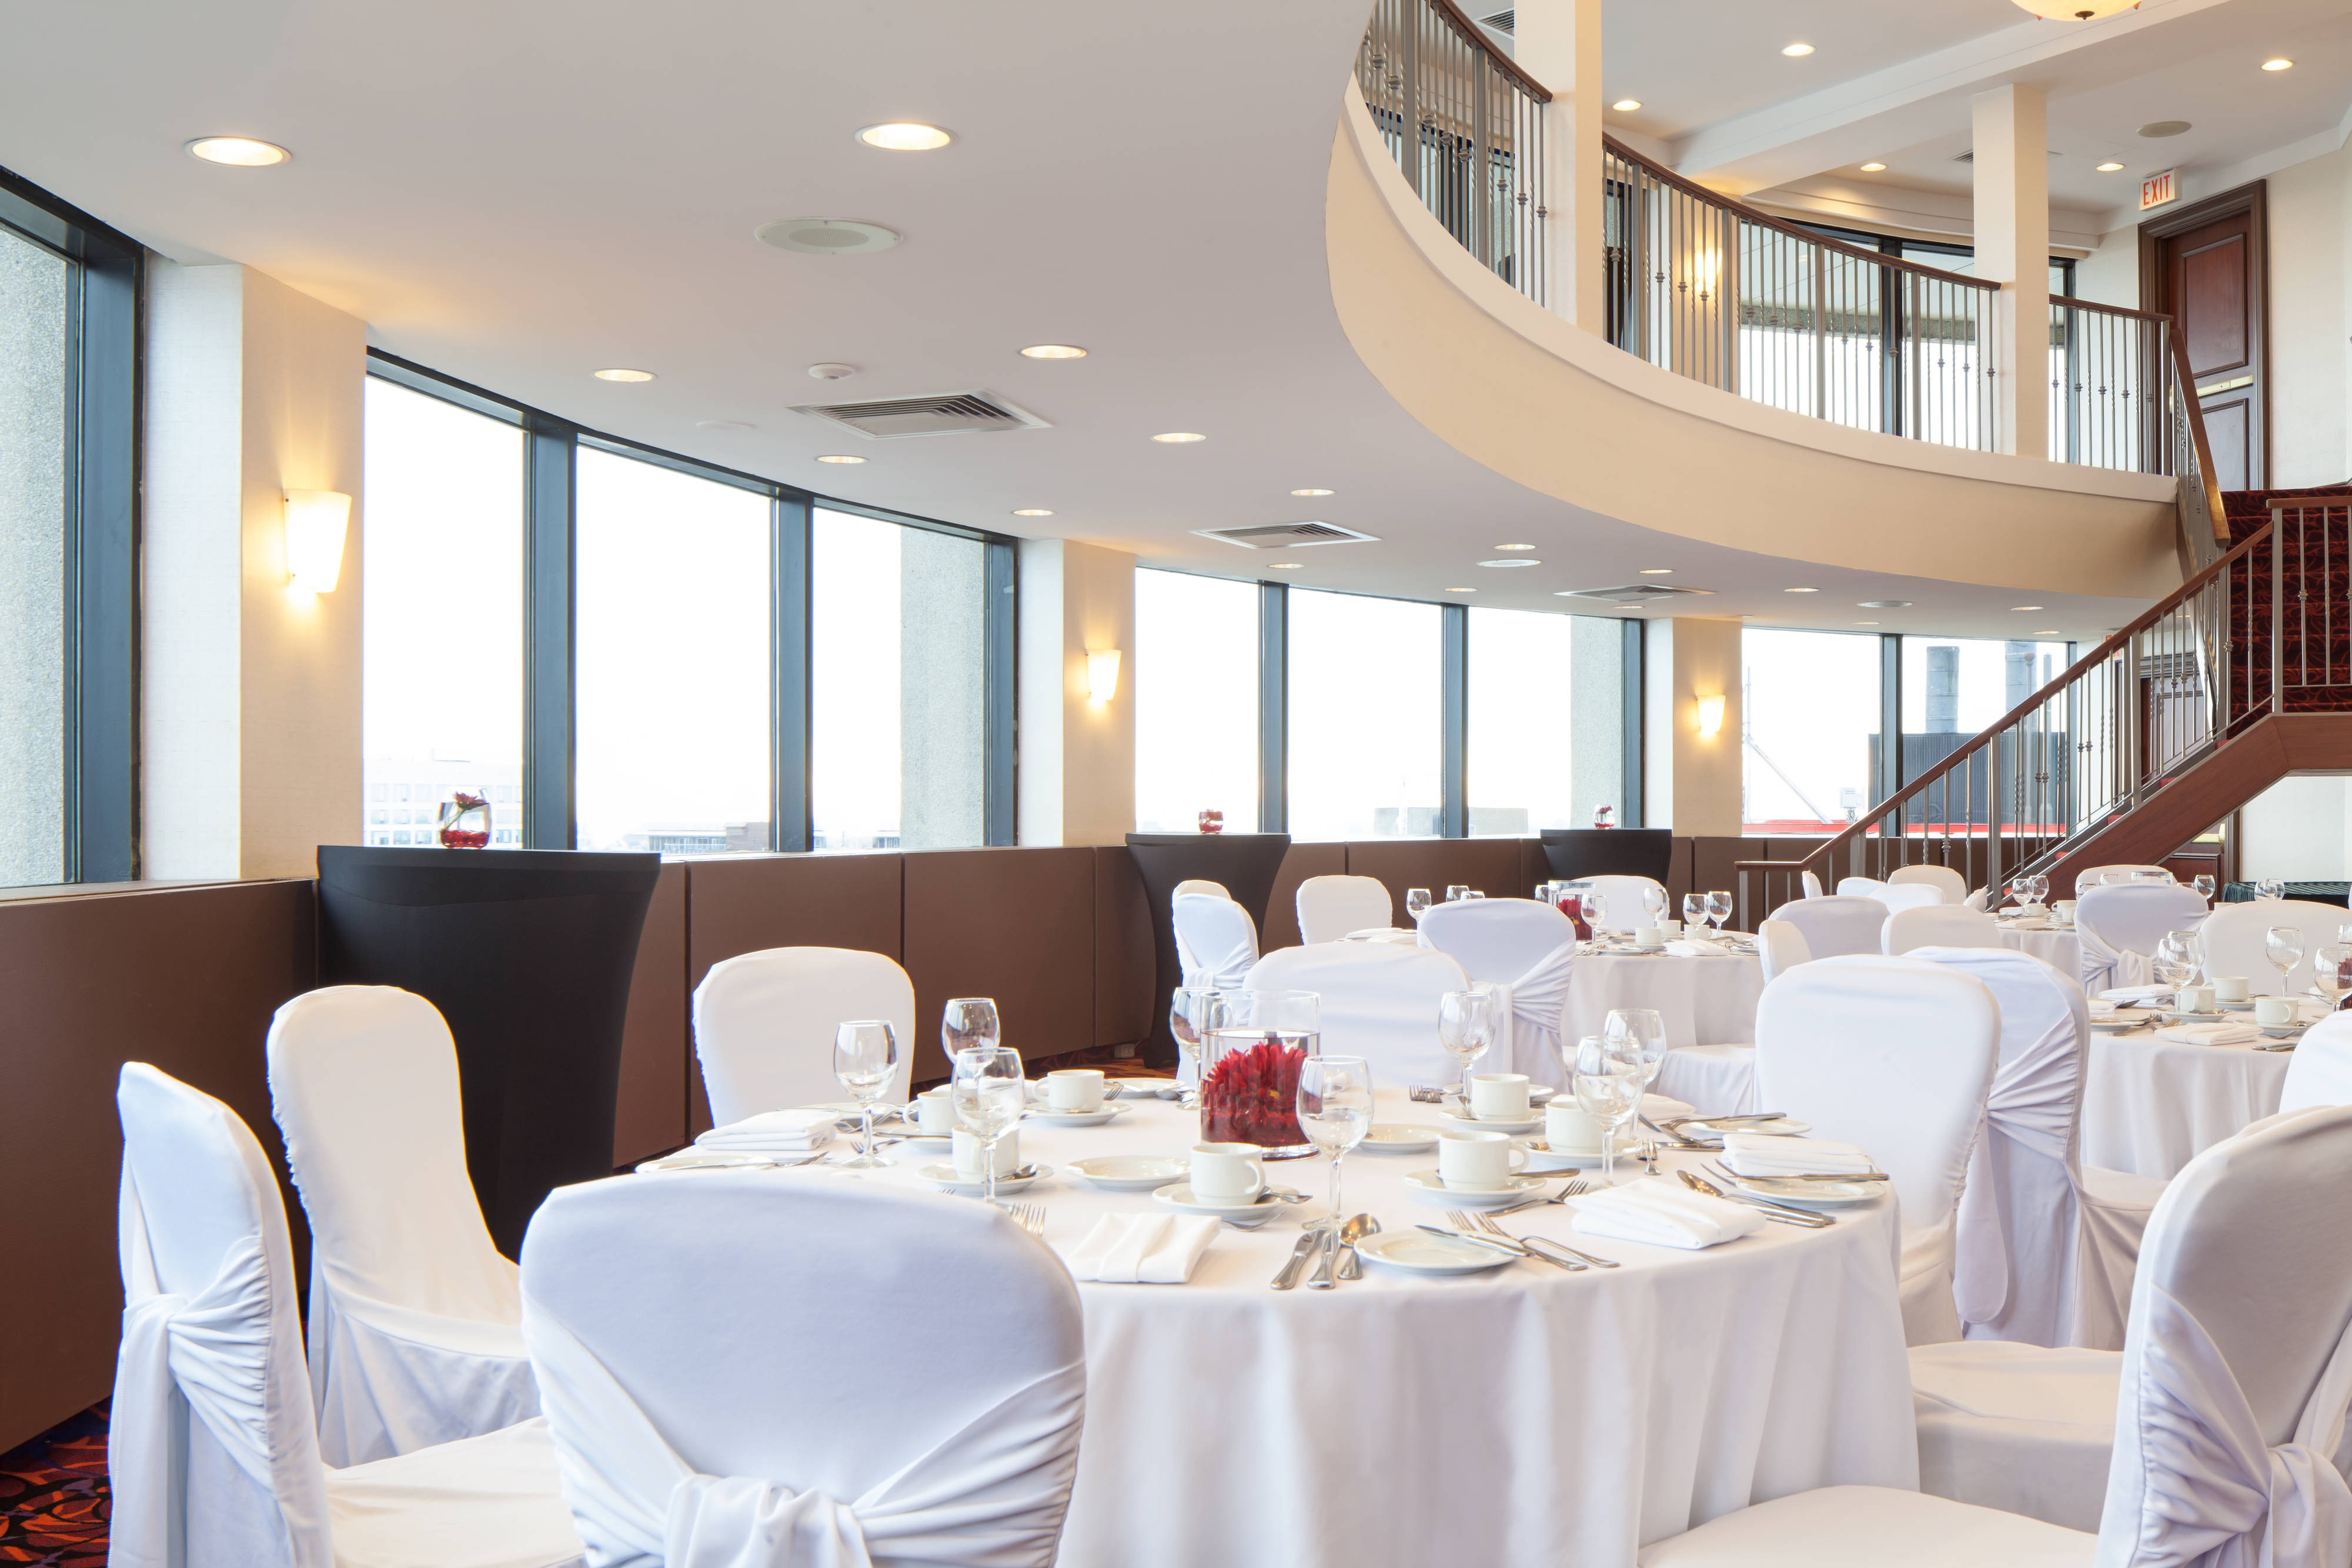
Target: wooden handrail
<point>2071,303</point>
<point>2195,414</point>
<point>1495,56</point>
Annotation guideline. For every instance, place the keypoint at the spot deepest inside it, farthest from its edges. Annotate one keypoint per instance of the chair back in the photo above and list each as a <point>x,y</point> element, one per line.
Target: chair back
<point>1576,852</point>
<point>1379,1002</point>
<point>210,1436</point>
<point>1894,1055</point>
<point>2119,924</point>
<point>2097,876</point>
<point>1200,884</point>
<point>2236,937</point>
<point>687,1327</point>
<point>2320,1070</point>
<point>1331,907</point>
<point>1496,939</point>
<point>1948,884</point>
<point>1904,895</point>
<point>1216,940</point>
<point>1837,924</point>
<point>1781,948</point>
<point>1939,925</point>
<point>1812,885</point>
<point>1624,897</point>
<point>764,1024</point>
<point>1860,887</point>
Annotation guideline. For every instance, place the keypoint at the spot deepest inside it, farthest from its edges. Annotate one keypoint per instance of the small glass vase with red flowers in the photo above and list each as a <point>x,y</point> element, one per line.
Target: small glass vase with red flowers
<point>1249,1080</point>
<point>465,821</point>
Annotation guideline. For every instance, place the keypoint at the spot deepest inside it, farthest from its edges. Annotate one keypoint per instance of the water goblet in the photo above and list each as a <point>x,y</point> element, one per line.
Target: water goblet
<point>1653,903</point>
<point>2283,946</point>
<point>1608,1084</point>
<point>1466,1028</point>
<point>2269,887</point>
<point>1595,907</point>
<point>989,1090</point>
<point>2328,972</point>
<point>864,1059</point>
<point>1718,908</point>
<point>1639,1032</point>
<point>2204,886</point>
<point>1456,891</point>
<point>969,1022</point>
<point>1416,902</point>
<point>1694,912</point>
<point>1335,1110</point>
<point>1190,1019</point>
<point>2038,887</point>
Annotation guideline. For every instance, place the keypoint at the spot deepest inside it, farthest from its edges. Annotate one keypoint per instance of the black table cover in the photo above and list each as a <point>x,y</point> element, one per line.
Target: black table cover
<point>1579,853</point>
<point>1246,864</point>
<point>528,954</point>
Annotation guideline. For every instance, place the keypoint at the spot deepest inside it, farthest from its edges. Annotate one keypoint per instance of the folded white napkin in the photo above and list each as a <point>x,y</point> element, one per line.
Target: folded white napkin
<point>774,1131</point>
<point>2101,1007</point>
<point>1142,1248</point>
<point>2209,1033</point>
<point>2138,993</point>
<point>1697,947</point>
<point>1763,1155</point>
<point>1662,1214</point>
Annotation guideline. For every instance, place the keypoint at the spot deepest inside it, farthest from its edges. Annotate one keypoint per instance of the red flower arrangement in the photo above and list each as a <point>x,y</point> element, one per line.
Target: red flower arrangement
<point>1251,1096</point>
<point>458,814</point>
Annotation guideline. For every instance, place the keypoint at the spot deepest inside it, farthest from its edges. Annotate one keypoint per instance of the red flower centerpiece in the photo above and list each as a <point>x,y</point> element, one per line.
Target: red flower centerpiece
<point>1251,1096</point>
<point>465,821</point>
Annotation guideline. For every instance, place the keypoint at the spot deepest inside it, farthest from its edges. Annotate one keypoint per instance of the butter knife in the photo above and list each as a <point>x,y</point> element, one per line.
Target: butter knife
<point>1298,1256</point>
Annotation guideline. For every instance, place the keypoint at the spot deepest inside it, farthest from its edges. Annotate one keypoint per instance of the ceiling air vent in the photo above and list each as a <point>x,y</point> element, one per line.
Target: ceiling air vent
<point>1287,535</point>
<point>949,413</point>
<point>1502,21</point>
<point>1632,593</point>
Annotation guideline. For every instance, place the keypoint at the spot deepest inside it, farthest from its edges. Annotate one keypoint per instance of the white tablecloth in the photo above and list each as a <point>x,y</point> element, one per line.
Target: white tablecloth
<point>2150,1106</point>
<point>1705,1001</point>
<point>2061,950</point>
<point>1519,1418</point>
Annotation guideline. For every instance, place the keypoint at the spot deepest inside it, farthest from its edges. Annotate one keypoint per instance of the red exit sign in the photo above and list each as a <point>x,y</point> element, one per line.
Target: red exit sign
<point>2159,189</point>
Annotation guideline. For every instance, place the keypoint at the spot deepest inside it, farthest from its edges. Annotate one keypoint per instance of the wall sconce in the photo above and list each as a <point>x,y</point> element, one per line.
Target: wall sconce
<point>1710,716</point>
<point>315,521</point>
<point>1102,673</point>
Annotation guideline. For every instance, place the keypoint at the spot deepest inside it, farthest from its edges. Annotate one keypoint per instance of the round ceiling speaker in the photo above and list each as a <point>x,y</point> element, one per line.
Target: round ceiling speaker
<point>826,236</point>
<point>2164,128</point>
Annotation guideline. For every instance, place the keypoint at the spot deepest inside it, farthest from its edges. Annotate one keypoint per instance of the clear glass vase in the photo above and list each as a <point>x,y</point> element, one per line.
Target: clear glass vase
<point>465,821</point>
<point>1251,1053</point>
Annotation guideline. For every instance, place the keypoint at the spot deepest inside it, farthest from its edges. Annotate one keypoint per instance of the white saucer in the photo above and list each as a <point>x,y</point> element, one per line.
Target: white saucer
<point>1427,1184</point>
<point>1543,1158</point>
<point>955,1181</point>
<point>2245,1006</point>
<point>1786,1127</point>
<point>1492,1125</point>
<point>2116,1025</point>
<point>1178,1196</point>
<point>1398,1138</point>
<point>1143,1089</point>
<point>1419,1252</point>
<point>1130,1173</point>
<point>1810,1194</point>
<point>1046,1118</point>
<point>2175,1016</point>
<point>706,1160</point>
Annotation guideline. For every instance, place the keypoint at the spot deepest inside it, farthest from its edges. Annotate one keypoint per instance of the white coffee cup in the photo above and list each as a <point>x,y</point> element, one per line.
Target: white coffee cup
<point>1227,1171</point>
<point>2274,1012</point>
<point>2229,988</point>
<point>967,1154</point>
<point>1076,1088</point>
<point>935,1112</point>
<point>1474,1161</point>
<point>1670,929</point>
<point>2062,912</point>
<point>2194,999</point>
<point>1498,1096</point>
<point>1648,936</point>
<point>1568,1130</point>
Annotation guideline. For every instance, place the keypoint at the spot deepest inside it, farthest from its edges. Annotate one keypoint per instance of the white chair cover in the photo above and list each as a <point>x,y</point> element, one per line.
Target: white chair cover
<point>2097,876</point>
<point>1897,1056</point>
<point>1938,926</point>
<point>1623,898</point>
<point>1950,884</point>
<point>1834,926</point>
<point>912,1392</point>
<point>1216,940</point>
<point>1899,897</point>
<point>414,1315</point>
<point>1781,948</point>
<point>212,1460</point>
<point>1812,885</point>
<point>764,1023</point>
<point>1200,884</point>
<point>1525,951</point>
<point>2234,935</point>
<point>1329,907</point>
<point>1981,900</point>
<point>2320,1070</point>
<point>1379,1002</point>
<point>2119,925</point>
<point>1712,1080</point>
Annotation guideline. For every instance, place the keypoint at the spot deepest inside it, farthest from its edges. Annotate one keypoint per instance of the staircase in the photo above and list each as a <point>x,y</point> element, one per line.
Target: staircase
<point>2241,677</point>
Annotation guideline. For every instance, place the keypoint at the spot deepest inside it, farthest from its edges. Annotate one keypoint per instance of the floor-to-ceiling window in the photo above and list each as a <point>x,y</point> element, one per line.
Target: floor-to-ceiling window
<point>1809,743</point>
<point>36,555</point>
<point>1365,678</point>
<point>1196,701</point>
<point>1547,721</point>
<point>442,671</point>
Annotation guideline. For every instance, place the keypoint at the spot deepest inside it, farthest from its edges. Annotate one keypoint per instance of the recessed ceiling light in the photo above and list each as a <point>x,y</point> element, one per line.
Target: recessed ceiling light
<point>2279,65</point>
<point>722,424</point>
<point>839,458</point>
<point>1030,512</point>
<point>830,370</point>
<point>1622,106</point>
<point>1657,571</point>
<point>1178,437</point>
<point>825,237</point>
<point>1865,622</point>
<point>2109,167</point>
<point>1310,491</point>
<point>1873,168</point>
<point>1507,565</point>
<point>904,136</point>
<point>2014,608</point>
<point>1515,547</point>
<point>1884,604</point>
<point>1801,590</point>
<point>1053,351</point>
<point>1798,51</point>
<point>2049,632</point>
<point>1285,566</point>
<point>1461,591</point>
<point>623,375</point>
<point>238,151</point>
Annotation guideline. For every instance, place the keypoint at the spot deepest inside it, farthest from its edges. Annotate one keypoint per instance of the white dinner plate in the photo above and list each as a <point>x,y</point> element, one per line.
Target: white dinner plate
<point>1130,1173</point>
<point>924,1143</point>
<point>1240,1210</point>
<point>1492,1124</point>
<point>1419,1252</point>
<point>2116,1025</point>
<point>1428,1186</point>
<point>955,1181</point>
<point>1786,1127</point>
<point>1049,1118</point>
<point>708,1160</point>
<point>1399,1138</point>
<point>1543,1157</point>
<point>1810,1194</point>
<point>1144,1089</point>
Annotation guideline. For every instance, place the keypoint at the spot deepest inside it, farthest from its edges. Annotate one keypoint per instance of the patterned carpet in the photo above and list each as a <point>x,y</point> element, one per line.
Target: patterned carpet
<point>53,1496</point>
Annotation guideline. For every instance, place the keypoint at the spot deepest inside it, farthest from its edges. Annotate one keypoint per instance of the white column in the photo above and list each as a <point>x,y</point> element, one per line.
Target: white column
<point>1558,42</point>
<point>249,703</point>
<point>1078,755</point>
<point>1690,775</point>
<point>2013,233</point>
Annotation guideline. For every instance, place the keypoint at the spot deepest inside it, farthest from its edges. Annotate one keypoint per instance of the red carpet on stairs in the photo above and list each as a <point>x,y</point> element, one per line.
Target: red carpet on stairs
<point>53,1501</point>
<point>2316,626</point>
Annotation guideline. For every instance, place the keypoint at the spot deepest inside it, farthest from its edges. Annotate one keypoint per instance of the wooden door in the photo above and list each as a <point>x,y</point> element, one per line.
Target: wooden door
<point>2204,267</point>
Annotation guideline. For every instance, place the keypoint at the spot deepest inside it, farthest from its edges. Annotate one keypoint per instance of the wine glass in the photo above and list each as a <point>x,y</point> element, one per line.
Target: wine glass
<point>989,1090</point>
<point>1639,1032</point>
<point>2191,948</point>
<point>2204,886</point>
<point>1694,912</point>
<point>1466,1028</point>
<point>1472,894</point>
<point>2037,888</point>
<point>2327,972</point>
<point>1190,1019</point>
<point>865,1058</point>
<point>1455,891</point>
<point>1718,909</point>
<point>1335,1109</point>
<point>2170,971</point>
<point>2283,946</point>
<point>1595,905</point>
<point>1653,903</point>
<point>1608,1083</point>
<point>2269,887</point>
<point>1416,902</point>
<point>967,1022</point>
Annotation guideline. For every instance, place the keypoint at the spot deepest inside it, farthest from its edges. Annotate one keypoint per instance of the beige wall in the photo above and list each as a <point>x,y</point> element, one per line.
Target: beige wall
<point>250,703</point>
<point>1078,756</point>
<point>1691,781</point>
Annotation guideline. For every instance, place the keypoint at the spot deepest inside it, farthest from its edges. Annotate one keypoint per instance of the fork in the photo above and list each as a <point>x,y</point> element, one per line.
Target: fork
<point>1475,1225</point>
<point>1029,1217</point>
<point>1486,1222</point>
<point>1575,1188</point>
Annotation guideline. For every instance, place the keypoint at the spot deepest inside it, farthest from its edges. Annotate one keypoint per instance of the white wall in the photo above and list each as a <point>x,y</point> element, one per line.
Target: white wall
<point>1078,756</point>
<point>1691,782</point>
<point>2298,829</point>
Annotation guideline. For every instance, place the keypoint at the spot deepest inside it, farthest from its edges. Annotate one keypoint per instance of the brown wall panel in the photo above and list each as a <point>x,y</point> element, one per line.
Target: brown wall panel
<point>185,980</point>
<point>1017,924</point>
<point>1123,963</point>
<point>649,1116</point>
<point>1303,861</point>
<point>751,902</point>
<point>1679,874</point>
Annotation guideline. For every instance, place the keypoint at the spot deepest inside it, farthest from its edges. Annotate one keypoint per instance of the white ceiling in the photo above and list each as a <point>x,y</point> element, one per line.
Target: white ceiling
<point>519,193</point>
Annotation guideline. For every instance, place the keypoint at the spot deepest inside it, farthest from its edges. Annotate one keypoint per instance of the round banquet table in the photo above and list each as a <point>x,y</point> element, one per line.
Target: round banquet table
<point>2150,1105</point>
<point>1518,1417</point>
<point>1704,1002</point>
<point>2057,946</point>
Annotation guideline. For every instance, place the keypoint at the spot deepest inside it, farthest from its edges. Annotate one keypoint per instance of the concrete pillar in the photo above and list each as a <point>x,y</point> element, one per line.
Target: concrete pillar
<point>2012,232</point>
<point>1078,755</point>
<point>249,689</point>
<point>1558,42</point>
<point>33,584</point>
<point>943,676</point>
<point>1692,778</point>
<point>1596,718</point>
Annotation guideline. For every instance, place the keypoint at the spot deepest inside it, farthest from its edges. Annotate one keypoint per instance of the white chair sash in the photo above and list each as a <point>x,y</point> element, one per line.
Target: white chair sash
<point>986,1495</point>
<point>1216,940</point>
<point>2034,1096</point>
<point>2210,1494</point>
<point>1532,1008</point>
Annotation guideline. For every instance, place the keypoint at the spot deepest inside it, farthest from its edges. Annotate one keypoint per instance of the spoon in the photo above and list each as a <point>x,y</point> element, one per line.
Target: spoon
<point>1351,1265</point>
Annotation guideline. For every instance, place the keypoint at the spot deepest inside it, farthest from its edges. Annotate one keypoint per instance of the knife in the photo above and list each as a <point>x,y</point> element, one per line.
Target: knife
<point>1298,1256</point>
<point>1798,1216</point>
